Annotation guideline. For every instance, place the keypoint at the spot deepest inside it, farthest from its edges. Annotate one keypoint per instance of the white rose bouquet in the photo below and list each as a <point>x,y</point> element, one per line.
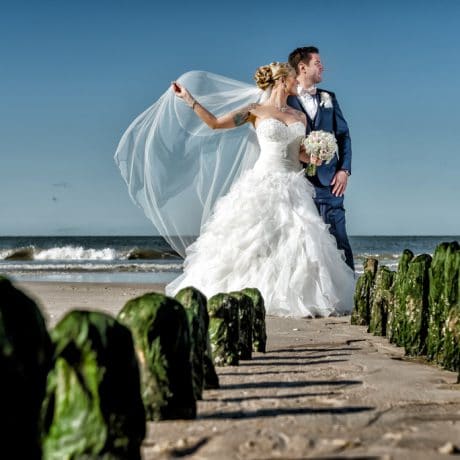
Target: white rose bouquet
<point>319,145</point>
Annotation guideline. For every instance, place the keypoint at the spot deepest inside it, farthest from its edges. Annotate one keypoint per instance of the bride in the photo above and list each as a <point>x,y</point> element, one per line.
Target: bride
<point>265,232</point>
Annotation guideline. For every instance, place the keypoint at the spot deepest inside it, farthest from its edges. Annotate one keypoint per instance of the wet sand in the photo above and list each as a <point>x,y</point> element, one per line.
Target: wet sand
<point>324,389</point>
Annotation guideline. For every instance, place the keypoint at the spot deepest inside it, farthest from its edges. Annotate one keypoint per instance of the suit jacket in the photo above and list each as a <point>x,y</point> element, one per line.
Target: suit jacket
<point>328,119</point>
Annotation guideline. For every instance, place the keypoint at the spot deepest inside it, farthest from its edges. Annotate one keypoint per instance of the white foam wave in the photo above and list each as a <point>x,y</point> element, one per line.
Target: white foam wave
<point>80,253</point>
<point>76,253</point>
<point>89,266</point>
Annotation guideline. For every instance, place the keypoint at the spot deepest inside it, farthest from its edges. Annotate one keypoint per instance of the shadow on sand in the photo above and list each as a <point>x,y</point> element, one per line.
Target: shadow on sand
<point>281,384</point>
<point>286,411</point>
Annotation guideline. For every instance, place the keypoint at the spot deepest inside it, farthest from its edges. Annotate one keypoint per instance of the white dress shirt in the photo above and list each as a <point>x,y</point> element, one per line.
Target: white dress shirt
<point>308,101</point>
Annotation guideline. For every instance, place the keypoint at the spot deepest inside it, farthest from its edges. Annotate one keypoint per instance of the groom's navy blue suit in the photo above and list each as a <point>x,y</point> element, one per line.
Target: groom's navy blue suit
<point>330,207</point>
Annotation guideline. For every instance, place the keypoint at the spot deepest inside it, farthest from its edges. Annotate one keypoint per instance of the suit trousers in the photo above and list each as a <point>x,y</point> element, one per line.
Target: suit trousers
<point>333,213</point>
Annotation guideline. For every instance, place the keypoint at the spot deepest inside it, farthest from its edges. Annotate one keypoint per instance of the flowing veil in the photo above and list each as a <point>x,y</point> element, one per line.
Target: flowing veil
<point>175,166</point>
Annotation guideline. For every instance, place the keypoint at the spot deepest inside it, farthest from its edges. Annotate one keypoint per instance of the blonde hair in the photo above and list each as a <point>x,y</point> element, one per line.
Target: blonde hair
<point>267,75</point>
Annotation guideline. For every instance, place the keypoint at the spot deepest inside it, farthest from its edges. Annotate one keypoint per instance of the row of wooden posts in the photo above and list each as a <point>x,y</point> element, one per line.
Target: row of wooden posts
<point>86,388</point>
<point>417,307</point>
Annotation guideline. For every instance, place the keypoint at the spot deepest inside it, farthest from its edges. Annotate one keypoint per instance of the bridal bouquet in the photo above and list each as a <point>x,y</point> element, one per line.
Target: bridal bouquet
<point>319,145</point>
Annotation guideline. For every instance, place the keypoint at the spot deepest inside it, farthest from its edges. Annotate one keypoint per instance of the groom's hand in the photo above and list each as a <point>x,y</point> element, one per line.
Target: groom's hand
<point>339,183</point>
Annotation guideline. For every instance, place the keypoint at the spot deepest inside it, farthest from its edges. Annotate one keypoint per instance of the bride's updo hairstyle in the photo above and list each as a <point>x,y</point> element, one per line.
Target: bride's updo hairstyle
<point>267,75</point>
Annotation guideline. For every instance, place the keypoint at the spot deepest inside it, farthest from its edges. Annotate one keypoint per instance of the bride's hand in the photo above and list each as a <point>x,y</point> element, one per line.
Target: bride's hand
<point>305,158</point>
<point>178,89</point>
<point>182,92</point>
<point>316,161</point>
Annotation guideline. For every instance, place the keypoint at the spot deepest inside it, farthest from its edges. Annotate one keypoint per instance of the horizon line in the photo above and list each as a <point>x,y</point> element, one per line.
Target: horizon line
<point>196,236</point>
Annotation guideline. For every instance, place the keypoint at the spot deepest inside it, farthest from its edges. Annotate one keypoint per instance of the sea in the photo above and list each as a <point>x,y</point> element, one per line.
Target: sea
<point>149,259</point>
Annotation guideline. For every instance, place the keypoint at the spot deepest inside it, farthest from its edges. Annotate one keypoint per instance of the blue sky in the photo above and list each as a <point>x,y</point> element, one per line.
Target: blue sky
<point>75,73</point>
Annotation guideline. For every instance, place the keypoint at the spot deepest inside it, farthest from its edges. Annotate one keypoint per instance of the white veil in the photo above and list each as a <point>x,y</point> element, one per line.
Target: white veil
<point>176,167</point>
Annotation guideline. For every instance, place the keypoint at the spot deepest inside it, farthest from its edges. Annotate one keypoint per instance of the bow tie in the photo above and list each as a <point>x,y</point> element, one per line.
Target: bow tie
<point>308,91</point>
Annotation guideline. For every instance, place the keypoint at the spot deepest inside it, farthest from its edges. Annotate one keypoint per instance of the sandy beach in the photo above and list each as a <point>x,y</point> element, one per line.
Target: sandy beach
<point>324,389</point>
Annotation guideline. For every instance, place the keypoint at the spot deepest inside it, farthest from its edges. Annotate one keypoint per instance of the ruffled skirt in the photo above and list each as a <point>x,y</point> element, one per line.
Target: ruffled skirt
<point>266,233</point>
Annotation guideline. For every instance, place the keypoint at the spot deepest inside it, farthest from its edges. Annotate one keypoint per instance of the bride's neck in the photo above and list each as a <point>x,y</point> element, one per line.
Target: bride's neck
<point>278,98</point>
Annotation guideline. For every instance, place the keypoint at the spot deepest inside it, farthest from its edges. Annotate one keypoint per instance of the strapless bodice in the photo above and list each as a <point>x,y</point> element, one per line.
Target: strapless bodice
<point>279,145</point>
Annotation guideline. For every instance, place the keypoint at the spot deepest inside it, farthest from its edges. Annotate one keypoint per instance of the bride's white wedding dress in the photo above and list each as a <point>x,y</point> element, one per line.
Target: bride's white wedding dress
<point>266,233</point>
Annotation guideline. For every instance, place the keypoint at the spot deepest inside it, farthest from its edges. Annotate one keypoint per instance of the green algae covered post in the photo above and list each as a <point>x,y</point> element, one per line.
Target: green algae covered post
<point>381,299</point>
<point>224,329</point>
<point>259,330</point>
<point>396,309</point>
<point>364,290</point>
<point>246,317</point>
<point>211,379</point>
<point>25,359</point>
<point>195,304</point>
<point>449,351</point>
<point>93,407</point>
<point>162,341</point>
<point>444,285</point>
<point>414,296</point>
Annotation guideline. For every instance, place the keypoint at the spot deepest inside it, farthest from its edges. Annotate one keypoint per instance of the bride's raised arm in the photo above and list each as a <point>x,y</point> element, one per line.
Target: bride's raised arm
<point>229,120</point>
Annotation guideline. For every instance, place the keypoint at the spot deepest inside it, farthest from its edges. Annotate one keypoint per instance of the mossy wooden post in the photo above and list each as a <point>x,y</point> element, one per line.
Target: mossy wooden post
<point>224,329</point>
<point>195,304</point>
<point>25,359</point>
<point>361,314</point>
<point>194,301</point>
<point>246,317</point>
<point>93,407</point>
<point>415,292</point>
<point>211,379</point>
<point>396,308</point>
<point>259,329</point>
<point>449,354</point>
<point>443,295</point>
<point>162,341</point>
<point>381,299</point>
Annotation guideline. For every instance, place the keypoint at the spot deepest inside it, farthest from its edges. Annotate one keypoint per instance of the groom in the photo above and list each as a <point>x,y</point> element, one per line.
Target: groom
<point>323,113</point>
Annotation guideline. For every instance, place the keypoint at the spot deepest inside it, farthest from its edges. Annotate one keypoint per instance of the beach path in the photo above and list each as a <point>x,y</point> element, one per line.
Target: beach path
<point>324,389</point>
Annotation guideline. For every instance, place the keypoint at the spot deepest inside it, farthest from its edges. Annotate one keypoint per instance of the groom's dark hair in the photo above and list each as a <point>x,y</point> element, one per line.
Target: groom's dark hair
<point>301,55</point>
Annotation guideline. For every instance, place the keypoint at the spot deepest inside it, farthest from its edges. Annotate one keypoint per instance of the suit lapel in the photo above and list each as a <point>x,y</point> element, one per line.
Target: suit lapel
<point>295,102</point>
<point>318,112</point>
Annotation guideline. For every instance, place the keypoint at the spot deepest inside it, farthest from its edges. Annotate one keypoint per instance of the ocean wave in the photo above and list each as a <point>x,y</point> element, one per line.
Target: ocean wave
<point>76,253</point>
<point>378,255</point>
<point>150,254</point>
<point>25,253</point>
<point>79,253</point>
<point>90,267</point>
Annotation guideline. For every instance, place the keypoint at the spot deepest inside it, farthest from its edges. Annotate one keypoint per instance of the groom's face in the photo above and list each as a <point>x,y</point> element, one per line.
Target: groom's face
<point>313,71</point>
